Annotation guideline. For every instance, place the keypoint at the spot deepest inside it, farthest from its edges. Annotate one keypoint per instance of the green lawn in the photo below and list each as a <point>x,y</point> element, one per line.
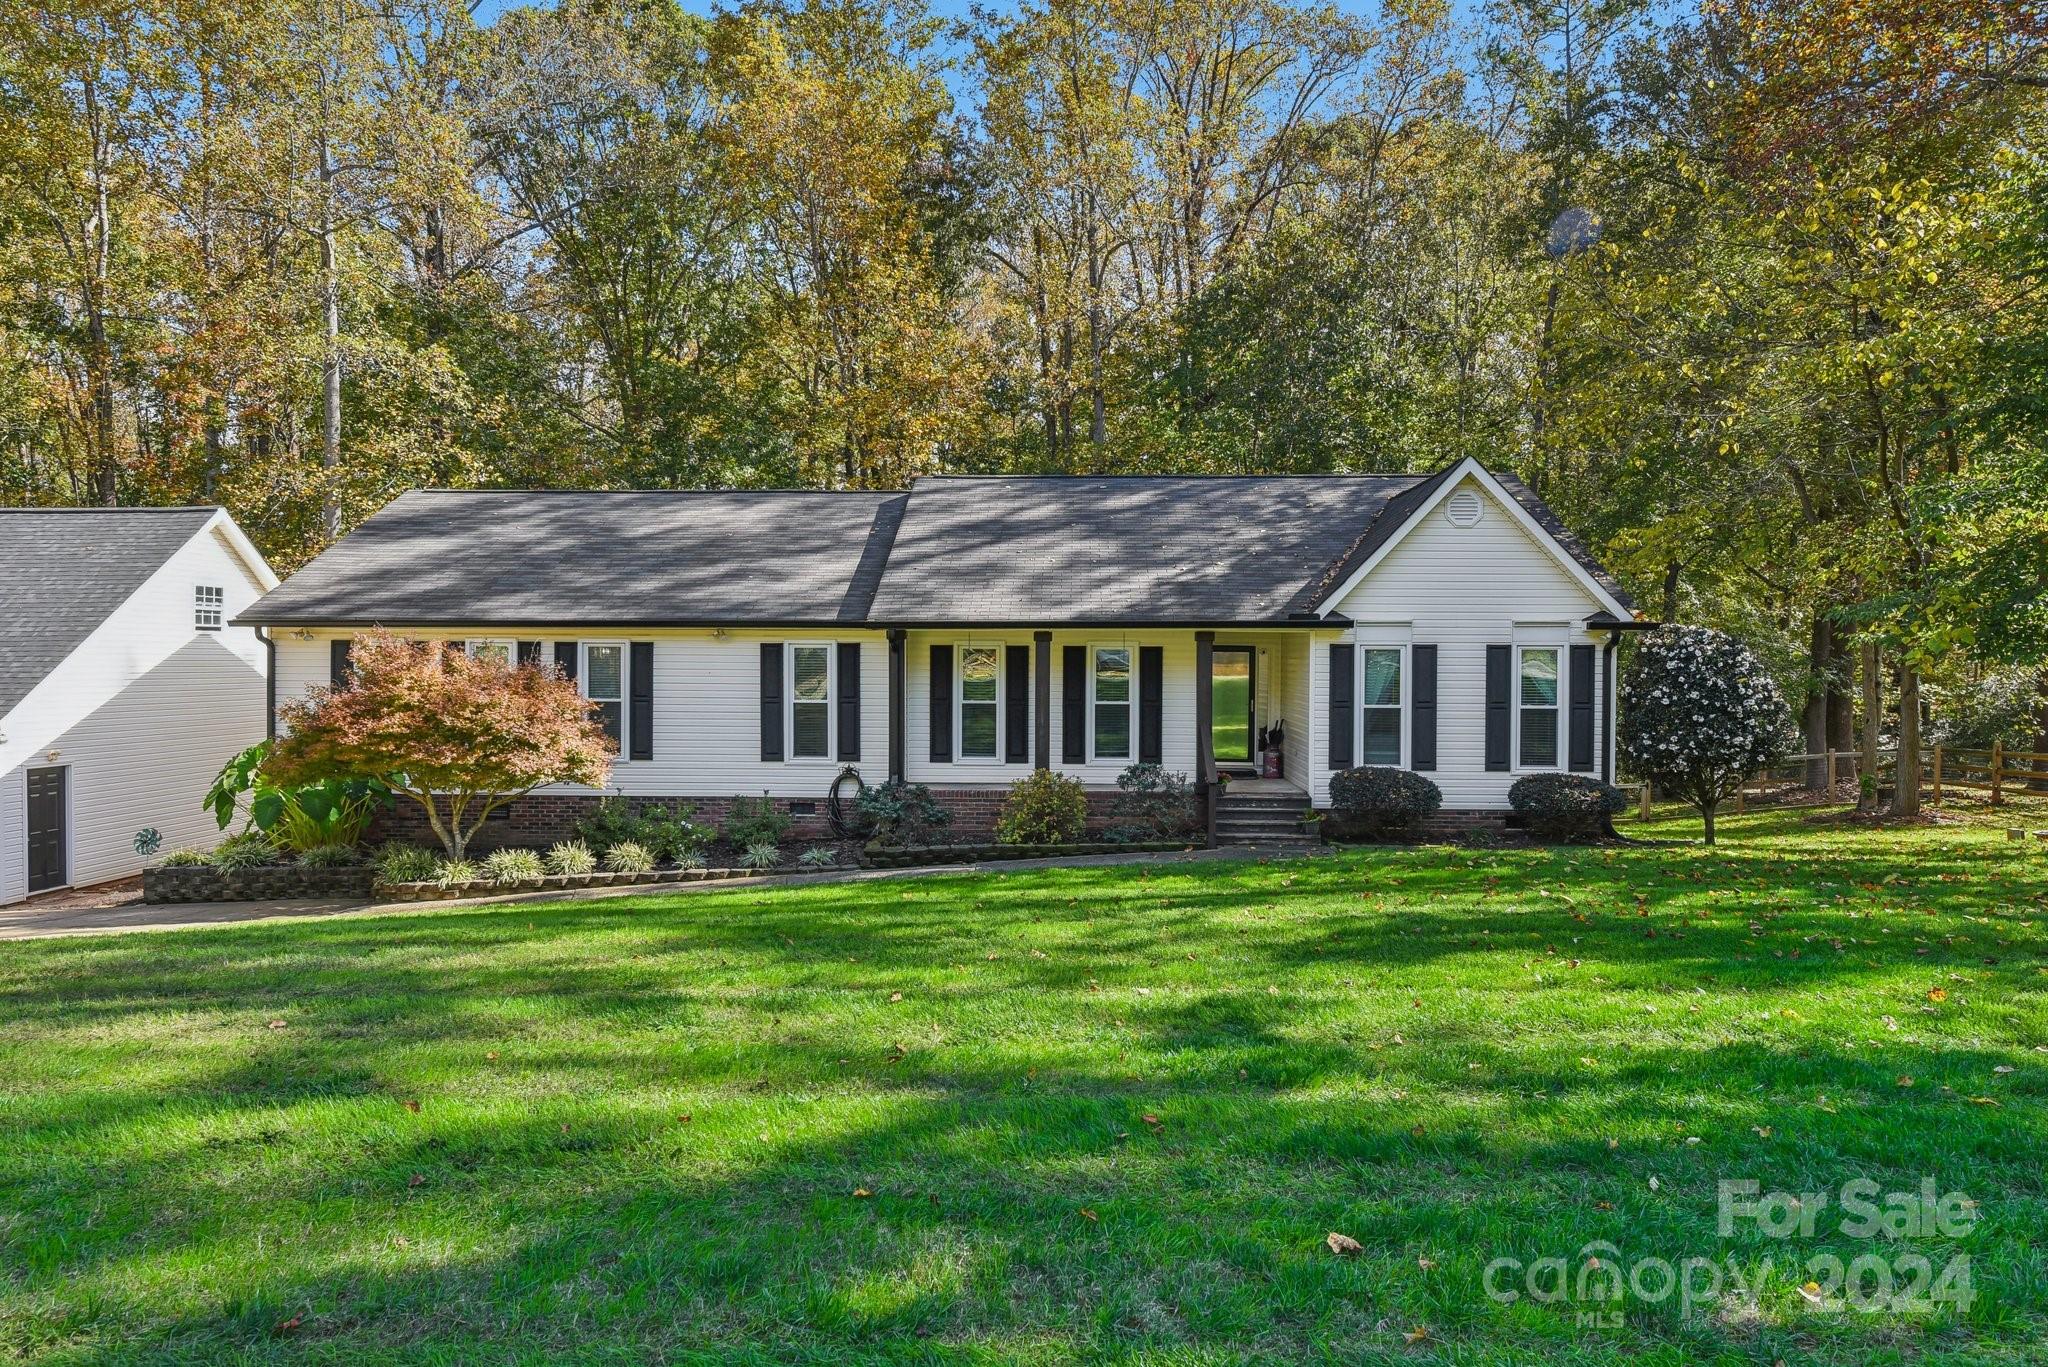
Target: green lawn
<point>1101,1115</point>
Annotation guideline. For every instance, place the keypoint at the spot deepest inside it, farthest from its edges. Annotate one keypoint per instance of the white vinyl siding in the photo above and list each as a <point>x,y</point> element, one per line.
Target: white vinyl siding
<point>707,708</point>
<point>1462,589</point>
<point>142,714</point>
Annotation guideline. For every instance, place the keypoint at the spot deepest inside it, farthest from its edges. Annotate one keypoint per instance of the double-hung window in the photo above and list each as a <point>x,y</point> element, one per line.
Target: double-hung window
<point>1109,688</point>
<point>1538,696</point>
<point>979,678</point>
<point>209,603</point>
<point>603,677</point>
<point>810,700</point>
<point>497,652</point>
<point>1379,672</point>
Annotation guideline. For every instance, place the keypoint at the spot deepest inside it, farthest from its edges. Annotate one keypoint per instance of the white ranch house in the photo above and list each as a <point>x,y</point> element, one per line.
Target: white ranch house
<point>967,630</point>
<point>125,684</point>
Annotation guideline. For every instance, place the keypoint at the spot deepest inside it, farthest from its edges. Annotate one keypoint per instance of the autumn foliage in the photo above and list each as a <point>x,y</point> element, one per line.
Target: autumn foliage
<point>462,737</point>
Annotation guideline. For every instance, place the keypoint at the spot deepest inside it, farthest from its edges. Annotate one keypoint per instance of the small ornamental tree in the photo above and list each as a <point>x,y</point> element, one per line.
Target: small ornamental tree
<point>1700,716</point>
<point>462,737</point>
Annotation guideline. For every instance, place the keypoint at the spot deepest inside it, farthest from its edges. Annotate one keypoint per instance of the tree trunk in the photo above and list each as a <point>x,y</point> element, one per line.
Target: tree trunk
<point>1707,817</point>
<point>1819,664</point>
<point>99,361</point>
<point>330,363</point>
<point>1671,591</point>
<point>1873,722</point>
<point>1906,792</point>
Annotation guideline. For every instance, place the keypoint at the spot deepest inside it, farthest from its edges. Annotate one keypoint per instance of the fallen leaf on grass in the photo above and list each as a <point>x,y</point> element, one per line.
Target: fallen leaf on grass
<point>1426,1264</point>
<point>1905,1081</point>
<point>1417,1335</point>
<point>895,996</point>
<point>1811,1290</point>
<point>1938,994</point>
<point>1088,1215</point>
<point>286,1326</point>
<point>276,1025</point>
<point>1343,1245</point>
<point>418,1180</point>
<point>862,1191</point>
<point>413,1106</point>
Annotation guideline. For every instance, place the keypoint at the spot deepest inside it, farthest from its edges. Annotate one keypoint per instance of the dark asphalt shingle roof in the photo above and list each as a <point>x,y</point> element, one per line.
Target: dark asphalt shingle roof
<point>1183,549</point>
<point>990,550</point>
<point>518,558</point>
<point>63,570</point>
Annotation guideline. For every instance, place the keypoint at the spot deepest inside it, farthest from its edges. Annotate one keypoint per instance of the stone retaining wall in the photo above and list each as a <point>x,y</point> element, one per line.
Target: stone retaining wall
<point>281,882</point>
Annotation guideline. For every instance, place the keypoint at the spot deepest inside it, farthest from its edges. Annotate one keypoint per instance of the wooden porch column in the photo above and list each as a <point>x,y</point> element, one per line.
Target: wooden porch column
<point>1041,699</point>
<point>897,687</point>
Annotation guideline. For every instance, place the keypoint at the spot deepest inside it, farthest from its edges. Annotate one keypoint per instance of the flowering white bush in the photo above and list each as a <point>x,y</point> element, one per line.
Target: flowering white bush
<point>1699,716</point>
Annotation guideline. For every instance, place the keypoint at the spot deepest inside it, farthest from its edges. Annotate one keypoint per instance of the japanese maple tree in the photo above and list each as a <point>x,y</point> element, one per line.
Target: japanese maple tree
<point>462,737</point>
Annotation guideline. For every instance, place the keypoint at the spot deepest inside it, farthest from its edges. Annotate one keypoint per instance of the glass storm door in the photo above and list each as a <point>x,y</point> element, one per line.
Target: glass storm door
<point>1230,701</point>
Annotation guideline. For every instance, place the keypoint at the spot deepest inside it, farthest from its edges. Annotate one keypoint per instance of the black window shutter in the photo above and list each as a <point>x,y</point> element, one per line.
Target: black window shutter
<point>771,700</point>
<point>942,705</point>
<point>1343,663</point>
<point>529,653</point>
<point>1074,705</point>
<point>1422,707</point>
<point>1497,672</point>
<point>640,694</point>
<point>1582,709</point>
<point>1151,702</point>
<point>565,659</point>
<point>1017,704</point>
<point>849,700</point>
<point>339,671</point>
<point>455,647</point>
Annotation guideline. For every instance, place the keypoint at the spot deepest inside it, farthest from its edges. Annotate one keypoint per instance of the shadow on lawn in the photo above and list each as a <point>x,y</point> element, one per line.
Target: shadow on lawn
<point>1283,1114</point>
<point>1207,1228</point>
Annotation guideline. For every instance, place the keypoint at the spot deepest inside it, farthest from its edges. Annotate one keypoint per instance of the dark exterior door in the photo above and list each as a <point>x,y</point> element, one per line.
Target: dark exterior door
<point>46,842</point>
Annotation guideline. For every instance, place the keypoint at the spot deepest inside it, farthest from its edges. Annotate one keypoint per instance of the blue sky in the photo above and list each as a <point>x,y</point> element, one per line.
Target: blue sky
<point>488,10</point>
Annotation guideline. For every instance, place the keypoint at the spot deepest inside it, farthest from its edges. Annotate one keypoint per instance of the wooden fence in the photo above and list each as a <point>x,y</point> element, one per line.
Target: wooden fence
<point>1992,771</point>
<point>1996,771</point>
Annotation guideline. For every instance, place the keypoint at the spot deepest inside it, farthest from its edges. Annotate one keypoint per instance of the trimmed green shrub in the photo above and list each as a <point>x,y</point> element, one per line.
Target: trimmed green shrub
<point>1373,801</point>
<point>752,821</point>
<point>402,863</point>
<point>249,850</point>
<point>1045,809</point>
<point>899,813</point>
<point>331,857</point>
<point>761,855</point>
<point>1566,806</point>
<point>570,857</point>
<point>1152,804</point>
<point>453,871</point>
<point>185,859</point>
<point>667,833</point>
<point>628,856</point>
<point>511,866</point>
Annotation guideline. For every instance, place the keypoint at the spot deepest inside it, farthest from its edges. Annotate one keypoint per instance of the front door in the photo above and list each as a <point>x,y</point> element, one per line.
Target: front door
<point>1230,702</point>
<point>46,829</point>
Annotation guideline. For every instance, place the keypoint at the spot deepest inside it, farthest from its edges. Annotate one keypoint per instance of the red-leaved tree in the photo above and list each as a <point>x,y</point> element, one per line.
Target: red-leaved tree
<point>462,737</point>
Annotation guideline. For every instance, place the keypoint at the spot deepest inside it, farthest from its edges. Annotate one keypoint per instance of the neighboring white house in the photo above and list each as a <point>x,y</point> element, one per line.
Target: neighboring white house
<point>968,630</point>
<point>124,684</point>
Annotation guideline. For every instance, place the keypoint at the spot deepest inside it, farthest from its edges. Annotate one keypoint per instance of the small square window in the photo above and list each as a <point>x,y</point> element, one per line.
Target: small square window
<point>209,603</point>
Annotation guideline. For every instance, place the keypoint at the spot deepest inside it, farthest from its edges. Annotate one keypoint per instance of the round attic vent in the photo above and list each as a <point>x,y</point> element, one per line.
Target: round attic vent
<point>1462,508</point>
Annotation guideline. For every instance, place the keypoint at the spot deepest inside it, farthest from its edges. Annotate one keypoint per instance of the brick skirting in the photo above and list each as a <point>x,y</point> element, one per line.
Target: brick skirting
<point>540,819</point>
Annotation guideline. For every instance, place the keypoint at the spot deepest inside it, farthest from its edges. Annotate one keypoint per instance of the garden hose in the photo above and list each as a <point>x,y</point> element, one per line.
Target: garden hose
<point>835,810</point>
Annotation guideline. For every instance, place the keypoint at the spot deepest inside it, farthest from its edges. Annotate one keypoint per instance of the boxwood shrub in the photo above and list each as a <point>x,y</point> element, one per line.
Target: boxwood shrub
<point>1372,802</point>
<point>1566,806</point>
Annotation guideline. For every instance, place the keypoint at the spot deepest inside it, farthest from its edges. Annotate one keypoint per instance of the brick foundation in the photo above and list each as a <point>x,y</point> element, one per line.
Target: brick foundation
<point>541,819</point>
